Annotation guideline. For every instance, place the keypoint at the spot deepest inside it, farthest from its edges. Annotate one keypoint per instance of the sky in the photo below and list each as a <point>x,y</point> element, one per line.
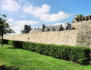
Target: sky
<point>38,12</point>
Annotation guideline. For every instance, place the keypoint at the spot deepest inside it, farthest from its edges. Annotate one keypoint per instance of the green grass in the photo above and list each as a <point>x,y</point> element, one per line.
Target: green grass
<point>26,60</point>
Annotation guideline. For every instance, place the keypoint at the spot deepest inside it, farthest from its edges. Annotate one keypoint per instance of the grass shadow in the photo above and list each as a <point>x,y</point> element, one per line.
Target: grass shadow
<point>3,67</point>
<point>13,48</point>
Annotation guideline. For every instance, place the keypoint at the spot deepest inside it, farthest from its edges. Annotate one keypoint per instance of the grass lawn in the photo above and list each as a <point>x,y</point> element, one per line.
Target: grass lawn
<point>26,60</point>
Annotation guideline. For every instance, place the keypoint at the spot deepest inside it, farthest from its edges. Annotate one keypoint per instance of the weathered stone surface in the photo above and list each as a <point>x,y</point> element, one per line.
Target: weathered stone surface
<point>66,37</point>
<point>84,34</point>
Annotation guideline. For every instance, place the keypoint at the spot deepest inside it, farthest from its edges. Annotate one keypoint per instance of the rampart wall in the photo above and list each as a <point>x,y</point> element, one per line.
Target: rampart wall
<point>67,37</point>
<point>79,25</point>
<point>84,34</point>
<point>81,36</point>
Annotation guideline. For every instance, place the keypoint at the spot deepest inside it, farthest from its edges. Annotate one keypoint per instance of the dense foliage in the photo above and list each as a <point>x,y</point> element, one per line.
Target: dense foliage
<point>82,18</point>
<point>10,42</point>
<point>4,27</point>
<point>77,54</point>
<point>26,29</point>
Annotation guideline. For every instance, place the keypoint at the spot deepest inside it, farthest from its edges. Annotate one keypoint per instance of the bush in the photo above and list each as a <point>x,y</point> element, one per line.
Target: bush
<point>5,41</point>
<point>79,55</point>
<point>0,41</point>
<point>10,42</point>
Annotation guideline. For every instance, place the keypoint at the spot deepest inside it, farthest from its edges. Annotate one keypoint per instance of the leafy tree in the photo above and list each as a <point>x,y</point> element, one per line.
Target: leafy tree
<point>61,28</point>
<point>26,29</point>
<point>4,26</point>
<point>68,27</point>
<point>43,27</point>
<point>79,17</point>
<point>89,16</point>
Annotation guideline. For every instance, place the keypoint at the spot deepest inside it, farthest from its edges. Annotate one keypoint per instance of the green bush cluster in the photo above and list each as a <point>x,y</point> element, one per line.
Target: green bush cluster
<point>0,41</point>
<point>79,55</point>
<point>4,41</point>
<point>10,42</point>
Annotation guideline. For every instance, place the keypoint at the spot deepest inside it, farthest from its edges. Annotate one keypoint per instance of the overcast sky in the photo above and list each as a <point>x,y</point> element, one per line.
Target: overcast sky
<point>38,12</point>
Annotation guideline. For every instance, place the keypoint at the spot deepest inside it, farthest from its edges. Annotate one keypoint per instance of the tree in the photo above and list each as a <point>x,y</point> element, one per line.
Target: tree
<point>26,29</point>
<point>4,27</point>
<point>79,17</point>
<point>89,16</point>
<point>61,28</point>
<point>43,27</point>
<point>68,27</point>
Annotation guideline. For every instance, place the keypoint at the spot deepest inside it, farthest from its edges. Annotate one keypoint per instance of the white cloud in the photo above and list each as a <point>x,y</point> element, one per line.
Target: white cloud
<point>54,17</point>
<point>23,22</point>
<point>63,24</point>
<point>37,11</point>
<point>10,20</point>
<point>43,13</point>
<point>58,24</point>
<point>10,5</point>
<point>18,25</point>
<point>23,16</point>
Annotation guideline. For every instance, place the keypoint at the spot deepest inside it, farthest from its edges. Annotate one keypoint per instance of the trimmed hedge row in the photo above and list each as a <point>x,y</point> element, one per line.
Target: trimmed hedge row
<point>79,55</point>
<point>0,41</point>
<point>4,41</point>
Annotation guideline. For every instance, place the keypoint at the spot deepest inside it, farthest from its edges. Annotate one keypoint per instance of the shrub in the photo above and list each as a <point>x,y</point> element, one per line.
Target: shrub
<point>0,41</point>
<point>5,41</point>
<point>10,42</point>
<point>19,44</point>
<point>79,55</point>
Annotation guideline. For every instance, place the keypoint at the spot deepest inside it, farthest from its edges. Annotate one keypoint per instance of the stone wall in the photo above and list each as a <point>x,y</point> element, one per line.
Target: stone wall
<point>84,34</point>
<point>67,37</point>
<point>79,25</point>
<point>81,36</point>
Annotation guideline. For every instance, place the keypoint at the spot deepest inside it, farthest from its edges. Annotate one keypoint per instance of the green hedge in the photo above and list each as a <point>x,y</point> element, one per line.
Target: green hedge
<point>0,41</point>
<point>79,55</point>
<point>4,41</point>
<point>10,42</point>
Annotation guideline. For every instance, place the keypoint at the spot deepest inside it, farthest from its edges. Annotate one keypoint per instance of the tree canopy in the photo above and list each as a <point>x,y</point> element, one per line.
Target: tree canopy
<point>26,29</point>
<point>4,26</point>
